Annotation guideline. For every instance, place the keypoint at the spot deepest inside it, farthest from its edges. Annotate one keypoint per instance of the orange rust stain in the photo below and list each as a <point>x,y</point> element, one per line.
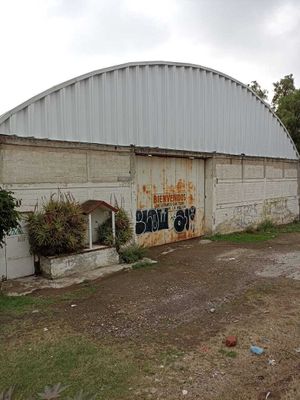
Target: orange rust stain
<point>190,199</point>
<point>191,186</point>
<point>150,239</point>
<point>141,205</point>
<point>158,238</point>
<point>180,185</point>
<point>169,189</point>
<point>183,235</point>
<point>146,189</point>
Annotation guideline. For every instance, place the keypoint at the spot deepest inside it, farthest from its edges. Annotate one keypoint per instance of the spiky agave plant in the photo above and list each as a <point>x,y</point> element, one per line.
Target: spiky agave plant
<point>59,228</point>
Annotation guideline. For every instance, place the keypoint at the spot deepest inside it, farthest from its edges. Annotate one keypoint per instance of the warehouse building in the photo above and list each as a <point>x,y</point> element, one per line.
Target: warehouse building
<point>186,150</point>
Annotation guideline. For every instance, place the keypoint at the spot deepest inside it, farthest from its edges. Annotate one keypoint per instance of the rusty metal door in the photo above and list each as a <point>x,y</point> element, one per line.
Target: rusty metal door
<point>170,199</point>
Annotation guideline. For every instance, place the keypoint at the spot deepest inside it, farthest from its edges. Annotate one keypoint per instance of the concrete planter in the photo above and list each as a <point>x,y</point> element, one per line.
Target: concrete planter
<point>86,260</point>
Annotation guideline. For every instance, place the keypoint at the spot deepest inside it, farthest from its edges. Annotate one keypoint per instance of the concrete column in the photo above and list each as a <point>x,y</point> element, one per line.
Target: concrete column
<point>210,195</point>
<point>113,223</point>
<point>90,232</point>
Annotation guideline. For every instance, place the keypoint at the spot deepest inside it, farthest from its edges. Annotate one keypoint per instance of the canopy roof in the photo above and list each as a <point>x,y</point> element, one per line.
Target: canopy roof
<point>91,205</point>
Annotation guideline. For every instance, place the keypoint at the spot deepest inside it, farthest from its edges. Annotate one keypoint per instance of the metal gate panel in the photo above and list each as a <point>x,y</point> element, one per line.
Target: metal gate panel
<point>19,261</point>
<point>170,199</point>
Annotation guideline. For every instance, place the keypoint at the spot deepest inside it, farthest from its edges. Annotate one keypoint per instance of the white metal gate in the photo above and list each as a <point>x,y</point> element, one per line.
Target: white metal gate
<point>15,258</point>
<point>170,199</point>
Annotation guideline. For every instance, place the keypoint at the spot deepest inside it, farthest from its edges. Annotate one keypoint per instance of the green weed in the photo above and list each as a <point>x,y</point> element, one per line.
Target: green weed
<point>132,253</point>
<point>289,228</point>
<point>170,355</point>
<point>266,226</point>
<point>228,353</point>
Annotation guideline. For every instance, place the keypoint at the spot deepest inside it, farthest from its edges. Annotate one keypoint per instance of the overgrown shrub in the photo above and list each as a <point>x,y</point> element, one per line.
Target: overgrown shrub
<point>59,228</point>
<point>132,253</point>
<point>9,216</point>
<point>123,230</point>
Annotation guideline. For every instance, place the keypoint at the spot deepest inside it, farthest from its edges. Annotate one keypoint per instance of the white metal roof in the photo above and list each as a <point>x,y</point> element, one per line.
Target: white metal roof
<point>155,104</point>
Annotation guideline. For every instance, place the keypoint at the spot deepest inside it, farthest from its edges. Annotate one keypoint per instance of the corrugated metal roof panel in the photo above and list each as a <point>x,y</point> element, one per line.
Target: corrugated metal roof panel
<point>155,104</point>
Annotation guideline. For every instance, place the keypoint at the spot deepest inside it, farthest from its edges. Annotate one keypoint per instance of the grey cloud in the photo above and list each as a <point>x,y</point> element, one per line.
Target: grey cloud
<point>67,8</point>
<point>107,27</point>
<point>228,23</point>
<point>235,29</point>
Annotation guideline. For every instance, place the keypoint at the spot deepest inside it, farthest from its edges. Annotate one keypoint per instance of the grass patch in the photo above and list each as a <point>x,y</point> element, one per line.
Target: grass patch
<point>170,355</point>
<point>228,353</point>
<point>17,305</point>
<point>289,228</point>
<point>264,231</point>
<point>21,304</point>
<point>71,360</point>
<point>244,237</point>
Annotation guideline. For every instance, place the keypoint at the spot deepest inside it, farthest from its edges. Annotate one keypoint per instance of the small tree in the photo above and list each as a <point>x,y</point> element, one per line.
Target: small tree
<point>9,216</point>
<point>59,228</point>
<point>282,88</point>
<point>288,110</point>
<point>257,89</point>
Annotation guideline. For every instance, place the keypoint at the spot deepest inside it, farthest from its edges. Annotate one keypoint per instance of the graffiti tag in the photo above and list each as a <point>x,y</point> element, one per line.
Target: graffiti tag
<point>156,219</point>
<point>183,219</point>
<point>152,220</point>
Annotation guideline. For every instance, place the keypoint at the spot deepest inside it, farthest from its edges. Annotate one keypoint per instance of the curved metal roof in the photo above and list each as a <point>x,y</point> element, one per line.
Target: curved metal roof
<point>161,104</point>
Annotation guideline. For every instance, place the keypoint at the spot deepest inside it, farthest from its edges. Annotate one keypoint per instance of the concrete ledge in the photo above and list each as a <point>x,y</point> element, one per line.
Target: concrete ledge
<point>29,284</point>
<point>87,260</point>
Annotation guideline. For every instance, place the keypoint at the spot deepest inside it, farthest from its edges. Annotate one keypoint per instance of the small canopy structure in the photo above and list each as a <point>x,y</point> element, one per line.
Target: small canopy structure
<point>89,206</point>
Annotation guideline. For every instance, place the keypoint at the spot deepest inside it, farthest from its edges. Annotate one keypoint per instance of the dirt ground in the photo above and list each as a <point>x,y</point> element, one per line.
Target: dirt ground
<point>176,314</point>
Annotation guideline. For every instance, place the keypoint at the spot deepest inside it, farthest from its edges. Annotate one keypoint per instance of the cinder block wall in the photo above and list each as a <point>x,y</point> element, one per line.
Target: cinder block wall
<point>34,169</point>
<point>239,192</point>
<point>250,191</point>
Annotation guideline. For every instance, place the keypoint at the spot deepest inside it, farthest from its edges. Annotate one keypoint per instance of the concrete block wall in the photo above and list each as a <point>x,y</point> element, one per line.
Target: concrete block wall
<point>248,191</point>
<point>239,191</point>
<point>34,170</point>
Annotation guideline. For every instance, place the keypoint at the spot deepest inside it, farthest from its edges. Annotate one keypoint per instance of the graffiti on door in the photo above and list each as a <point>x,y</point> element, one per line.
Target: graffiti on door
<point>151,220</point>
<point>168,211</point>
<point>184,219</point>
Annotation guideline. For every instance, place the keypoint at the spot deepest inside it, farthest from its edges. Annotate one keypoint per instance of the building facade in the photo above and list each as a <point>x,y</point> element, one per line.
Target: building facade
<point>184,149</point>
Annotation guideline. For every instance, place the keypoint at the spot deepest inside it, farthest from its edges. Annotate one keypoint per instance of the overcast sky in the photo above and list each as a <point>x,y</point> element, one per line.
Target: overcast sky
<point>45,42</point>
